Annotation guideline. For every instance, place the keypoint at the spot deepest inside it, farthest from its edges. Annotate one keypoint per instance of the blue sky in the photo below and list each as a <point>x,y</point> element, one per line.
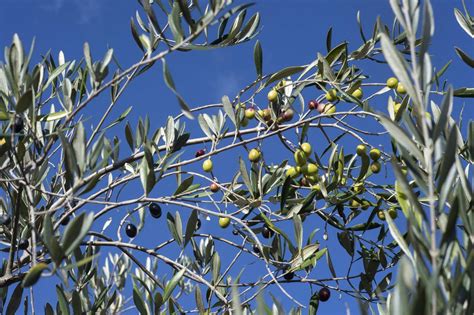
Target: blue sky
<point>292,34</point>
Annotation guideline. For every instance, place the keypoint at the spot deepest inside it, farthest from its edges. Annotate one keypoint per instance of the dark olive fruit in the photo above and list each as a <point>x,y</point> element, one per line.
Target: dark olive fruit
<point>313,104</point>
<point>155,210</point>
<point>131,230</point>
<point>267,232</point>
<point>375,167</point>
<point>5,220</point>
<point>200,153</point>
<point>214,187</point>
<point>18,124</point>
<point>256,249</point>
<point>289,275</point>
<point>66,220</point>
<point>288,115</point>
<point>23,244</point>
<point>198,224</point>
<point>235,232</point>
<point>324,294</point>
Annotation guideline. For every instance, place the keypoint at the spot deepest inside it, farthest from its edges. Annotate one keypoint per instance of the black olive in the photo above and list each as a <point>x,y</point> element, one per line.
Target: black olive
<point>131,230</point>
<point>155,210</point>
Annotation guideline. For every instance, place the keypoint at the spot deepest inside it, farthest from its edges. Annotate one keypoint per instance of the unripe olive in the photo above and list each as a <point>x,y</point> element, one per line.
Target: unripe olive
<point>381,215</point>
<point>300,157</point>
<point>207,165</point>
<point>267,114</point>
<point>224,222</point>
<point>292,172</point>
<point>359,188</point>
<point>355,204</point>
<point>401,89</point>
<point>358,93</point>
<point>316,188</point>
<point>360,149</point>
<point>310,169</point>
<point>329,109</point>
<point>374,154</point>
<point>365,204</point>
<point>306,147</point>
<point>254,155</point>
<point>272,96</point>
<point>249,113</point>
<point>244,122</point>
<point>396,108</point>
<point>312,178</point>
<point>375,167</point>
<point>393,213</point>
<point>331,95</point>
<point>392,82</point>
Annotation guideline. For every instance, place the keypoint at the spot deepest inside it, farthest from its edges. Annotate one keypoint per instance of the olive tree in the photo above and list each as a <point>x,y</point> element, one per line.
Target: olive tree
<point>72,212</point>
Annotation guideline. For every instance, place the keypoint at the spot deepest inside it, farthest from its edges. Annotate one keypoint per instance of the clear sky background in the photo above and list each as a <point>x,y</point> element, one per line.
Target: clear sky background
<point>293,32</point>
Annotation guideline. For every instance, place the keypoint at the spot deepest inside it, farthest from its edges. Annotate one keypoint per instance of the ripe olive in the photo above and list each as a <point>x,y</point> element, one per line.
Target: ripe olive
<point>200,152</point>
<point>66,220</point>
<point>18,124</point>
<point>324,294</point>
<point>313,104</point>
<point>131,230</point>
<point>155,210</point>
<point>214,187</point>
<point>289,275</point>
<point>267,232</point>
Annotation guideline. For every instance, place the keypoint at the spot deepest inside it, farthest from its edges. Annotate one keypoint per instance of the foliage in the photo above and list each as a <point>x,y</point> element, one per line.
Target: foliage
<point>64,189</point>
